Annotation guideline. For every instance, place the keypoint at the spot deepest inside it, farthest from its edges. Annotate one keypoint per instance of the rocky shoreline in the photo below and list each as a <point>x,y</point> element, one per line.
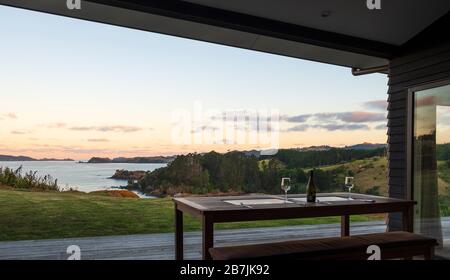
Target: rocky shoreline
<point>122,174</point>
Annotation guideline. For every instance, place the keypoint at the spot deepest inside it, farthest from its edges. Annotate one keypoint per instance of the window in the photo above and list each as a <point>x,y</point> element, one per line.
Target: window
<point>431,162</point>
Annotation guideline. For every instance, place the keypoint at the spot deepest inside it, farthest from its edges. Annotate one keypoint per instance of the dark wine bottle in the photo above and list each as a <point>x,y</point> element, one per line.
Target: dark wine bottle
<point>311,188</point>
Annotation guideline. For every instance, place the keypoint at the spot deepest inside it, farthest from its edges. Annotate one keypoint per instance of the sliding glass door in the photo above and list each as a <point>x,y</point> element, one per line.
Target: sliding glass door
<point>431,164</point>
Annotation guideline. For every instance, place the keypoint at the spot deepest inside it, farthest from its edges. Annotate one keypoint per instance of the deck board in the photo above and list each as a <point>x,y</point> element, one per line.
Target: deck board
<point>161,246</point>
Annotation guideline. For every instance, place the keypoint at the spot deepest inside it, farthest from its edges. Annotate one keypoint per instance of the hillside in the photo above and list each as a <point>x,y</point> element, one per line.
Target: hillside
<point>370,174</point>
<point>366,146</point>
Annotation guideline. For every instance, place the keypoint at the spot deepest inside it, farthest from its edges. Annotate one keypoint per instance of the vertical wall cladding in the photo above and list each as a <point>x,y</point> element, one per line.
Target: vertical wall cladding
<point>407,71</point>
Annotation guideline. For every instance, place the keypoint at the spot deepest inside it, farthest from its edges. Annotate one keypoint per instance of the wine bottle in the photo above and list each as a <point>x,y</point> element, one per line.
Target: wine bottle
<point>311,188</point>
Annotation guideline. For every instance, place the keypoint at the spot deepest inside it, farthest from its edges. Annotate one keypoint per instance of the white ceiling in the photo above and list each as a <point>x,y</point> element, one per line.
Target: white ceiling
<point>396,22</point>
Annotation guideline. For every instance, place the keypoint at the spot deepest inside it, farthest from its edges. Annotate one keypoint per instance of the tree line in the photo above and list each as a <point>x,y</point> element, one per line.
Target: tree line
<point>241,173</point>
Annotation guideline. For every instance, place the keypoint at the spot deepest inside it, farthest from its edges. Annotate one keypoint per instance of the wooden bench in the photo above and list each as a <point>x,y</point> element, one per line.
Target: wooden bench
<point>392,244</point>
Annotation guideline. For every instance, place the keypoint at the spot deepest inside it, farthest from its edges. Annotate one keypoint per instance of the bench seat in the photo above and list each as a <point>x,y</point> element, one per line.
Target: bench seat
<point>397,244</point>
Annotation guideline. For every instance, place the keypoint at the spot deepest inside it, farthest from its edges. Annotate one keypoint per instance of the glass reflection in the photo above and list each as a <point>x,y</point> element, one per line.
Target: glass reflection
<point>431,176</point>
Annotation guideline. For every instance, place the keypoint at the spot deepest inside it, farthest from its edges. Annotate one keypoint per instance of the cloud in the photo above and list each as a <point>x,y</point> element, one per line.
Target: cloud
<point>11,116</point>
<point>107,128</point>
<point>348,117</point>
<point>8,116</point>
<point>246,116</point>
<point>98,140</point>
<point>300,127</point>
<point>56,125</point>
<point>328,127</point>
<point>361,117</point>
<point>381,127</point>
<point>205,128</point>
<point>103,128</point>
<point>376,104</point>
<point>348,127</point>
<point>297,119</point>
<point>20,132</point>
<point>72,151</point>
<point>426,101</point>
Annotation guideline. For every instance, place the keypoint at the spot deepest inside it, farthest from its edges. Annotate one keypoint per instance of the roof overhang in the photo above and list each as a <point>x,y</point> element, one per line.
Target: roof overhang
<point>235,28</point>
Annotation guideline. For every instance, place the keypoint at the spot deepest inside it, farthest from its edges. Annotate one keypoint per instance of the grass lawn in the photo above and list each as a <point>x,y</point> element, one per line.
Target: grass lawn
<point>42,215</point>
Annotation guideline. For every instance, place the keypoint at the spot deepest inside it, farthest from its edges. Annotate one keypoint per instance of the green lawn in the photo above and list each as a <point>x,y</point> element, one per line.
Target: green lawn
<point>41,215</point>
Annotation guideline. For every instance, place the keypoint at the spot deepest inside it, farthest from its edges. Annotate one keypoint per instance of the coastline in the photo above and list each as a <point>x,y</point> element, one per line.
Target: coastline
<point>81,177</point>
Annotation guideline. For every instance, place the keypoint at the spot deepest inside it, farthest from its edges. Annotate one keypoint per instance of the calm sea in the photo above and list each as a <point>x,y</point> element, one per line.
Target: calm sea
<point>84,177</point>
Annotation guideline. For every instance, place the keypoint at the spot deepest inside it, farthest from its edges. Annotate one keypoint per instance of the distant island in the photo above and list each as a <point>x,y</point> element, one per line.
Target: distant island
<point>169,159</point>
<point>25,158</point>
<point>155,159</point>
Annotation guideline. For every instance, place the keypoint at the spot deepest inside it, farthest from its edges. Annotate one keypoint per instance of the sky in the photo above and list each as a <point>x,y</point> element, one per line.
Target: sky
<point>77,89</point>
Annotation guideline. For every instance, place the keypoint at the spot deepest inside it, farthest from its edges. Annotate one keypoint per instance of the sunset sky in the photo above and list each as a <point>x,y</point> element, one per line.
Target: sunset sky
<point>77,89</point>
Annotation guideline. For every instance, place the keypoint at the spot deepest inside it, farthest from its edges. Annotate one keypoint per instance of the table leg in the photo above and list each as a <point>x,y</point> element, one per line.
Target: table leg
<point>345,225</point>
<point>408,219</point>
<point>207,237</point>
<point>178,234</point>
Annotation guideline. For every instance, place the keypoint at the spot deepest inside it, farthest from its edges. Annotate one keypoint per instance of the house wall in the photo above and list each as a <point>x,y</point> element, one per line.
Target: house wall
<point>415,67</point>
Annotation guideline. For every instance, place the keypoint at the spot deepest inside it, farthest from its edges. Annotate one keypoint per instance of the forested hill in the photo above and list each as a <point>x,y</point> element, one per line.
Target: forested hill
<point>245,172</point>
<point>240,172</point>
<point>303,159</point>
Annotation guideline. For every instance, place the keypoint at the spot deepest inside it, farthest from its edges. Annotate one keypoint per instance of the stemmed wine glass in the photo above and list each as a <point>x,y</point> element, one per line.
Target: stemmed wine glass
<point>349,185</point>
<point>285,186</point>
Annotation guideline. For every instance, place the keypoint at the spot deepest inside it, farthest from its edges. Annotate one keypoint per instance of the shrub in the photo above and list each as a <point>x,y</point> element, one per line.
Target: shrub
<point>30,180</point>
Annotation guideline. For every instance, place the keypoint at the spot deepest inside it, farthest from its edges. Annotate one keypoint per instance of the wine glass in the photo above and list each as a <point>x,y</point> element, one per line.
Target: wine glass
<point>285,186</point>
<point>349,185</point>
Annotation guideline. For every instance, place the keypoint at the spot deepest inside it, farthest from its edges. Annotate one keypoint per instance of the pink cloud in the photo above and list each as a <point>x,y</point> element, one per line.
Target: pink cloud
<point>8,116</point>
<point>361,117</point>
<point>377,104</point>
<point>20,132</point>
<point>98,140</point>
<point>107,128</point>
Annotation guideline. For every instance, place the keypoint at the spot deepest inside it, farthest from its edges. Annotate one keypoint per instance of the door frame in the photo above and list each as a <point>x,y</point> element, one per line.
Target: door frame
<point>410,131</point>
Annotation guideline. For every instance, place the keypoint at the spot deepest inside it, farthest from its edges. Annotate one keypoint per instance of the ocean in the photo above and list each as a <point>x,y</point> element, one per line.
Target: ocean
<point>85,177</point>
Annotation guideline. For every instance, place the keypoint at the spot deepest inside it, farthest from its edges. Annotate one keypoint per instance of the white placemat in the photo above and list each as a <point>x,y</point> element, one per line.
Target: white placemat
<point>256,201</point>
<point>322,198</point>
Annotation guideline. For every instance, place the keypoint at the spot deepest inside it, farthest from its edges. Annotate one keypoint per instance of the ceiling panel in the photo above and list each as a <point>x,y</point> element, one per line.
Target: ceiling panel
<point>198,31</point>
<point>395,23</point>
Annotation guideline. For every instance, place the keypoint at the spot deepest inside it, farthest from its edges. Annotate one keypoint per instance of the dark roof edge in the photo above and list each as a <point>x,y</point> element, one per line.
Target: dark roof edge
<point>435,34</point>
<point>256,25</point>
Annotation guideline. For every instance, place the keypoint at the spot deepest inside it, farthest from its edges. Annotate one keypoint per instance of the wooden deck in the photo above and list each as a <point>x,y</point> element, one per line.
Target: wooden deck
<point>161,246</point>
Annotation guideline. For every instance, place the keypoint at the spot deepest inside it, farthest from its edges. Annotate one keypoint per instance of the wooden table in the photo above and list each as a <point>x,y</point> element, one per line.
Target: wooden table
<point>220,209</point>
